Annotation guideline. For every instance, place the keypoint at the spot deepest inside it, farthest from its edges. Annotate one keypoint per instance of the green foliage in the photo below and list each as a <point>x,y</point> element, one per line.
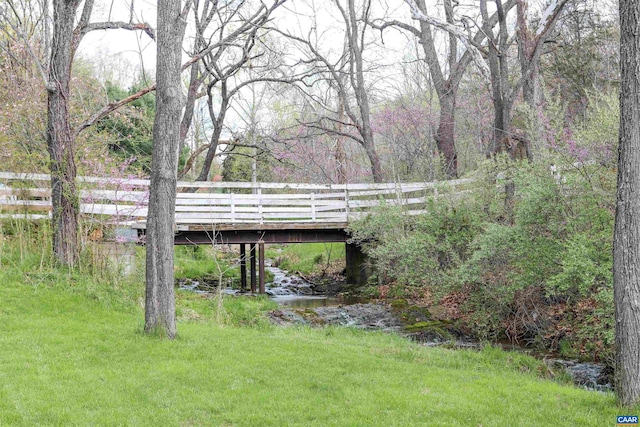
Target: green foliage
<point>598,134</point>
<point>586,59</point>
<point>131,127</point>
<point>536,270</point>
<point>535,274</point>
<point>237,165</point>
<point>417,251</point>
<point>586,267</point>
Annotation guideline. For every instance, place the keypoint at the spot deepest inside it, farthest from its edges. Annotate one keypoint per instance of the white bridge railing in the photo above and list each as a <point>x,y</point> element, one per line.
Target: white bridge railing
<point>125,201</point>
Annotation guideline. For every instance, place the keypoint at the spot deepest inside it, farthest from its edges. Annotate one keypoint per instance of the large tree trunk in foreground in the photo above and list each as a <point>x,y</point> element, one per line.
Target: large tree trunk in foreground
<point>60,137</point>
<point>626,247</point>
<point>160,297</point>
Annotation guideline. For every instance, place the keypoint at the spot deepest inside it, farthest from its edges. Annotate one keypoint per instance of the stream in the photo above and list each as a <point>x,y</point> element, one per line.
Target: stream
<point>300,304</point>
<point>288,290</point>
<point>291,291</point>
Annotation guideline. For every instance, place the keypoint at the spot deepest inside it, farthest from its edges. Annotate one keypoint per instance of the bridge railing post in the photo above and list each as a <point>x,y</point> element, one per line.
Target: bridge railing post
<point>346,203</point>
<point>233,207</point>
<point>313,206</point>
<point>260,213</point>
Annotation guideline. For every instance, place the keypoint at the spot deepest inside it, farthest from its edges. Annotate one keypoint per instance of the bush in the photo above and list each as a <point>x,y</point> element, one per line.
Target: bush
<point>536,270</point>
<point>419,251</point>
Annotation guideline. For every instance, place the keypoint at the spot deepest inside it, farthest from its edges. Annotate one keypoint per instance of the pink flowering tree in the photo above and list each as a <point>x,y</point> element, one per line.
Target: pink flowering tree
<point>407,132</point>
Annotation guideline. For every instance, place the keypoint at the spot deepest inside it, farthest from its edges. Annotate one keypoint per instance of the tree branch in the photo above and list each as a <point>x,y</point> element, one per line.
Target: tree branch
<point>112,106</point>
<point>192,158</point>
<point>417,14</point>
<point>119,25</point>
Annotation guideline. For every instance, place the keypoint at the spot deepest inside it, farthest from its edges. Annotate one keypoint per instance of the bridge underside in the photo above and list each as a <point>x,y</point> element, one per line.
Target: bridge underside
<point>266,236</point>
<point>255,233</point>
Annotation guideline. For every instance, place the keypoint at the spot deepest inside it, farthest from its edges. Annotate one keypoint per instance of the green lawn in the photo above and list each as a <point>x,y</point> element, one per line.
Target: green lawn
<point>69,356</point>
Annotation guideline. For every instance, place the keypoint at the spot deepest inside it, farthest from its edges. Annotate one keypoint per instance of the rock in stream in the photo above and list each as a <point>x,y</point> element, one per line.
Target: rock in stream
<point>364,316</point>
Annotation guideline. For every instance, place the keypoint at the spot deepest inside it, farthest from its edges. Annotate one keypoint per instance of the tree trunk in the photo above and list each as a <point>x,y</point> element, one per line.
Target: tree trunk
<point>194,83</point>
<point>445,138</point>
<point>626,256</point>
<point>160,297</point>
<point>60,137</point>
<point>340,155</point>
<point>362,98</point>
<point>218,122</point>
<point>369,147</point>
<point>530,70</point>
<point>445,87</point>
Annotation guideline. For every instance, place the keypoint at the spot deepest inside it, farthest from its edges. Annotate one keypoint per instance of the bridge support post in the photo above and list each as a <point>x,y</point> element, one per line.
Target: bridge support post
<point>252,260</point>
<point>243,267</point>
<point>358,269</point>
<point>261,265</point>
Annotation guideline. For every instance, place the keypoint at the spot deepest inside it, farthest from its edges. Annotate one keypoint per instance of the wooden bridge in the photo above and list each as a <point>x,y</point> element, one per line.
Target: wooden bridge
<point>230,212</point>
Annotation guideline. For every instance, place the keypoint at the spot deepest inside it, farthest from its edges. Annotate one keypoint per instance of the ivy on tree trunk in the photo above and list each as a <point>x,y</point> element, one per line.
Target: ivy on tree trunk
<point>60,136</point>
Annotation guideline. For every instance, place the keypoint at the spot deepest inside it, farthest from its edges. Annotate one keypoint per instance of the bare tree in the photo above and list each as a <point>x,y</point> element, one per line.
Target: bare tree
<point>446,77</point>
<point>228,38</point>
<point>222,75</point>
<point>504,92</point>
<point>160,299</point>
<point>626,257</point>
<point>583,57</point>
<point>504,89</point>
<point>346,76</point>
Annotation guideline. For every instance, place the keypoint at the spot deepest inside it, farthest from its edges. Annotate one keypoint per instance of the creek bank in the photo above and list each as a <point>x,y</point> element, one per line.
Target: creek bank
<point>314,302</point>
<point>417,324</point>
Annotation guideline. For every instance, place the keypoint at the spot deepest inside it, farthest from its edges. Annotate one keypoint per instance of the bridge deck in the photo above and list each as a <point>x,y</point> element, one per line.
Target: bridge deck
<point>208,208</point>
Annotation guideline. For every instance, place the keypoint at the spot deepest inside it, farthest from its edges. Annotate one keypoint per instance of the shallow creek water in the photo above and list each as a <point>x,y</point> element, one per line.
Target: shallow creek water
<point>291,291</point>
<point>288,290</point>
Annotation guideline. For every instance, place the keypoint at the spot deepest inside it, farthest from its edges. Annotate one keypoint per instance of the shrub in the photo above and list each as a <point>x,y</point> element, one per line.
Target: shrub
<point>536,271</point>
<point>420,251</point>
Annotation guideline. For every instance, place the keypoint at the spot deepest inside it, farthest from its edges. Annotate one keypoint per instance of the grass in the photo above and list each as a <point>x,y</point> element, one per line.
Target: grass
<point>307,258</point>
<point>66,359</point>
<point>200,261</point>
<point>72,352</point>
<point>203,262</point>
